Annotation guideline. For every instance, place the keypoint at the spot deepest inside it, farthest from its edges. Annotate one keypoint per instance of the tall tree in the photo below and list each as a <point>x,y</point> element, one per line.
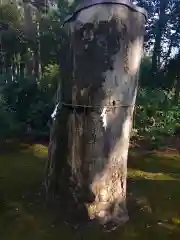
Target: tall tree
<point>159,30</point>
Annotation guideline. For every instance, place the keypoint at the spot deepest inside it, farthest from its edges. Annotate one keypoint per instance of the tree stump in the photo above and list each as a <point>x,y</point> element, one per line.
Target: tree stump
<point>94,124</point>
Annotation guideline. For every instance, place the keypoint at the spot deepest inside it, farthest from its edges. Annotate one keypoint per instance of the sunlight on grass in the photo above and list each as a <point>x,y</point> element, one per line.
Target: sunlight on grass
<point>135,174</point>
<point>155,162</point>
<point>176,221</point>
<point>153,180</point>
<point>38,150</point>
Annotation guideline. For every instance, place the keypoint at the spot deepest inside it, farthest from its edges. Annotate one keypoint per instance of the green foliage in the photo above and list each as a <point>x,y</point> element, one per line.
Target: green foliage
<point>28,76</point>
<point>10,13</point>
<point>6,119</point>
<point>30,64</point>
<point>51,78</point>
<point>156,113</point>
<point>16,118</point>
<point>145,71</point>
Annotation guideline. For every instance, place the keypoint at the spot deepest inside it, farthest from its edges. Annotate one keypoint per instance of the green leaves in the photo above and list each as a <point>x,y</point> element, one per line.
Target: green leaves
<point>156,113</point>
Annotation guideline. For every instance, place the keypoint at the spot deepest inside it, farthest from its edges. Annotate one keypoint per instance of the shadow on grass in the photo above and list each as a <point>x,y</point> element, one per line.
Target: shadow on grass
<point>12,146</point>
<point>153,199</point>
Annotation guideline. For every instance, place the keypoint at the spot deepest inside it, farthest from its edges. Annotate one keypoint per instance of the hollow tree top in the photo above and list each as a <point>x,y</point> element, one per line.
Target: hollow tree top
<point>88,3</point>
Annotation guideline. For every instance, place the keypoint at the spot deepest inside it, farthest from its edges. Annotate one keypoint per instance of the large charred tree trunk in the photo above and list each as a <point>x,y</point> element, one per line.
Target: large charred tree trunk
<point>106,48</point>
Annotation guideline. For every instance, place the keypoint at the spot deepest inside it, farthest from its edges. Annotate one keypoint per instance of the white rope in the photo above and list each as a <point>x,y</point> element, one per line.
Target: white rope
<point>53,115</point>
<point>104,117</point>
<point>97,106</point>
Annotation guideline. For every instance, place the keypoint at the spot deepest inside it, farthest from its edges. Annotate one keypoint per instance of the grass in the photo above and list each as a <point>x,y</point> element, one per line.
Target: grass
<point>153,179</point>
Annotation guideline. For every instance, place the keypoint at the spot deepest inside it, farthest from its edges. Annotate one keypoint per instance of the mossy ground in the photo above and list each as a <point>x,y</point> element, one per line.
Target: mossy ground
<point>153,179</point>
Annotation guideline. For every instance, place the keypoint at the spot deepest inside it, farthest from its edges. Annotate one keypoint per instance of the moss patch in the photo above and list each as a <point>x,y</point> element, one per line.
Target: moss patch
<point>153,180</point>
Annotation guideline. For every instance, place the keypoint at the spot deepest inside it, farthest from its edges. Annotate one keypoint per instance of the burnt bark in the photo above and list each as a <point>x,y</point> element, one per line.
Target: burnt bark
<point>106,46</point>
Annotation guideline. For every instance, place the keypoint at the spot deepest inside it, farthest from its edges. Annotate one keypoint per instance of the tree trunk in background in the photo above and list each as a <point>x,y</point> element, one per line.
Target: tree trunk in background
<point>170,47</point>
<point>37,48</point>
<point>32,29</point>
<point>106,43</point>
<point>158,36</point>
<point>177,89</point>
<point>28,19</point>
<point>30,32</point>
<point>177,75</point>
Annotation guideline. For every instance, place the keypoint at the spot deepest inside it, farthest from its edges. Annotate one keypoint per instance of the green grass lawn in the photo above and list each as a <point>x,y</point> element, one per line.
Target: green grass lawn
<point>153,179</point>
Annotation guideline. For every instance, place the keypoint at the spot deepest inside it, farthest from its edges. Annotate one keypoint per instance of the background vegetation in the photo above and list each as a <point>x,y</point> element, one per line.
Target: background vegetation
<point>33,47</point>
<point>33,53</point>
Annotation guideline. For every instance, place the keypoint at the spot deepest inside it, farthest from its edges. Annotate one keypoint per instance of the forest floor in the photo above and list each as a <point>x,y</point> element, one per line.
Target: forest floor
<point>153,179</point>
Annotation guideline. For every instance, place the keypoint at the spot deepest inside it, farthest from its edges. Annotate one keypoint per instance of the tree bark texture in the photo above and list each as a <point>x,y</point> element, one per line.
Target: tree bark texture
<point>106,48</point>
